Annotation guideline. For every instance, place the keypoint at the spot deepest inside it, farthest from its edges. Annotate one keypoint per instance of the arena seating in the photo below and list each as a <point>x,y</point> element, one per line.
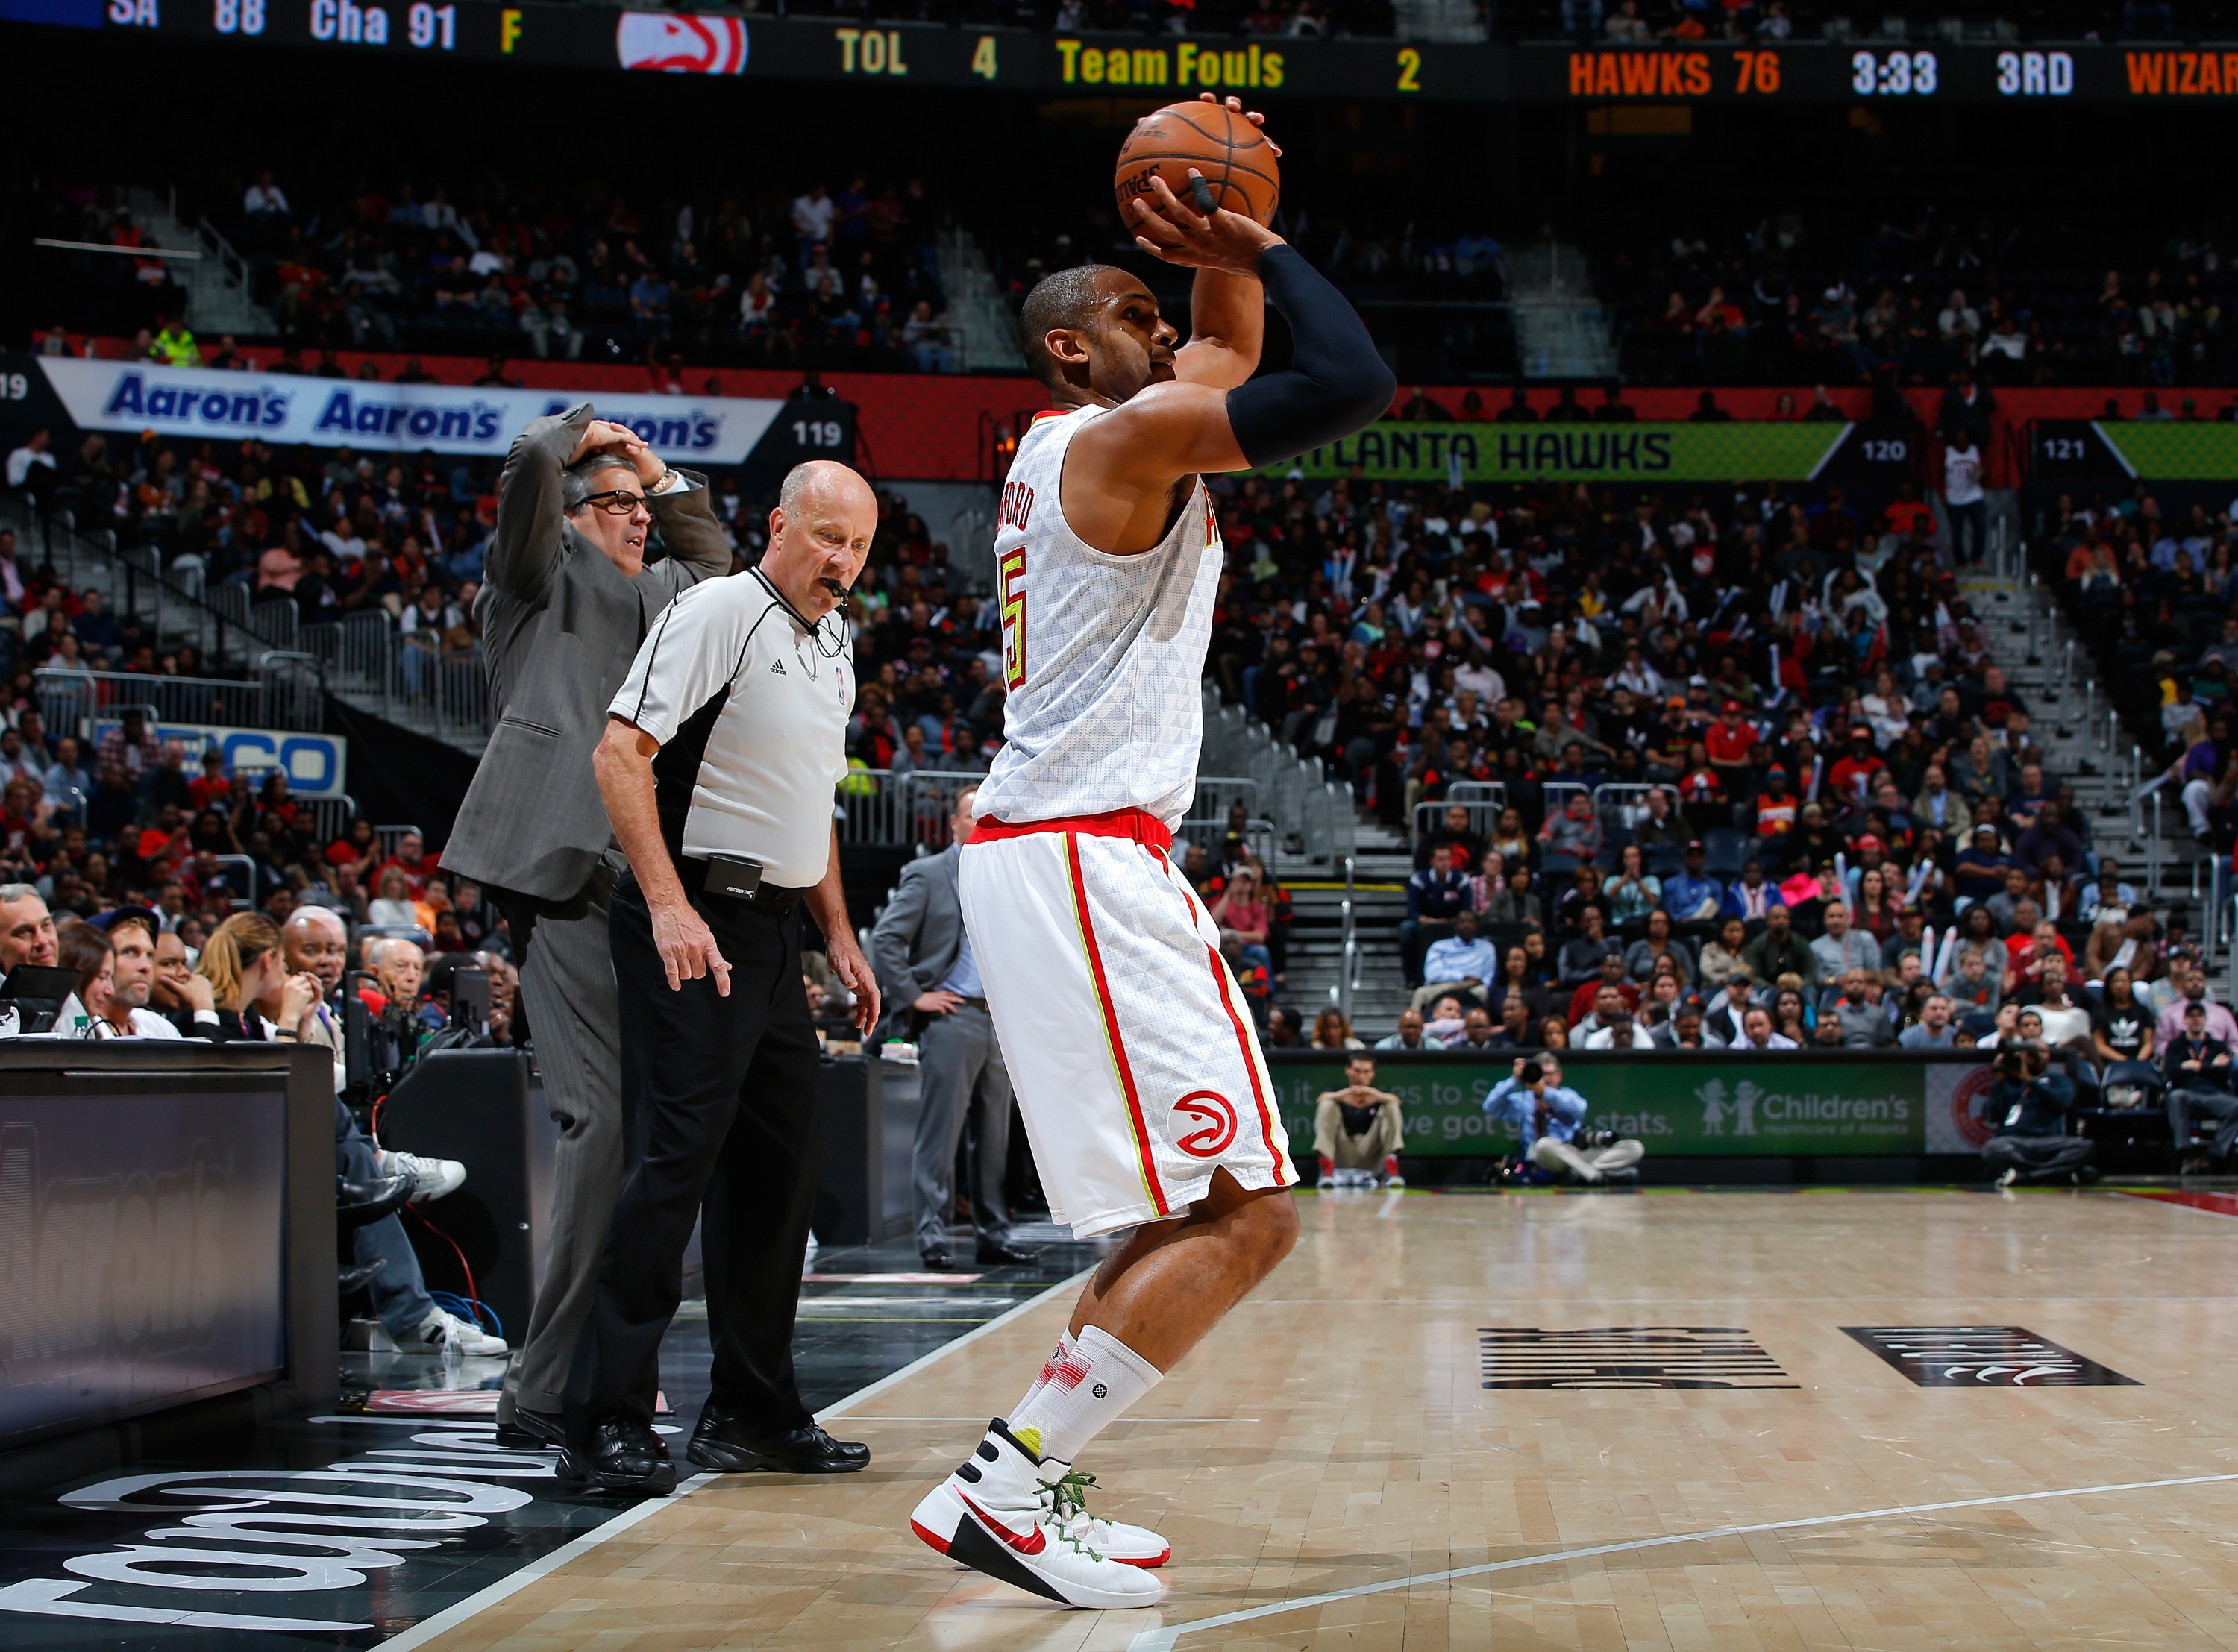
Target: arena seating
<point>1833,298</point>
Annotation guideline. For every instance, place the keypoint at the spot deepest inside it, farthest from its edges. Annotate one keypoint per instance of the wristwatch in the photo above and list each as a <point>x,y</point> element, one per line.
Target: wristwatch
<point>669,479</point>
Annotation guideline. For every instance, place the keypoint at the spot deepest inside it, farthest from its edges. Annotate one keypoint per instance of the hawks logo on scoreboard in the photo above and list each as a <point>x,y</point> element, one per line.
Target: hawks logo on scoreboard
<point>680,43</point>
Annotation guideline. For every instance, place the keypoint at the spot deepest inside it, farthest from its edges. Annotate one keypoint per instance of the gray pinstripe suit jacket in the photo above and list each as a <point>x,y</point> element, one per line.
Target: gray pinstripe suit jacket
<point>560,625</point>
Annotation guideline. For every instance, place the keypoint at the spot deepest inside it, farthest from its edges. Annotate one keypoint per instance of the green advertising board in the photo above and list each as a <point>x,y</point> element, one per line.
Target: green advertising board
<point>2173,450</point>
<point>1712,1105</point>
<point>1491,453</point>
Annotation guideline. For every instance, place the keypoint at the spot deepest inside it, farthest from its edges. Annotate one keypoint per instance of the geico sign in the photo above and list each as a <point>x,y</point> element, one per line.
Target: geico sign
<point>317,765</point>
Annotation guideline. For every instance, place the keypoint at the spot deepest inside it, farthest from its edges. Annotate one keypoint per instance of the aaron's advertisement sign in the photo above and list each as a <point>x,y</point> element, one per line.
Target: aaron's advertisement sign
<point>1709,1105</point>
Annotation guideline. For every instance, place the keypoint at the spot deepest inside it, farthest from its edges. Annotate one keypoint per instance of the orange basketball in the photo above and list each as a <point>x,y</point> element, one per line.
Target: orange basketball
<point>1234,156</point>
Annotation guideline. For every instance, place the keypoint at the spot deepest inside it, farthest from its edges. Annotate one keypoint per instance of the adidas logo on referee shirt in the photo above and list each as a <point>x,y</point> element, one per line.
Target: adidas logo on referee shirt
<point>777,665</point>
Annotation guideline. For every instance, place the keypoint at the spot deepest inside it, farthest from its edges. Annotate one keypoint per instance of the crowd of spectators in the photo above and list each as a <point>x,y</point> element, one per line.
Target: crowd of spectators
<point>337,534</point>
<point>1687,772</point>
<point>2157,599</point>
<point>841,273</point>
<point>1790,299</point>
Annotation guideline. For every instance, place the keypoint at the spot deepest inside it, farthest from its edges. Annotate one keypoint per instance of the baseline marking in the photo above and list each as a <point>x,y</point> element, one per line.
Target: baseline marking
<point>426,1631</point>
<point>451,1616</point>
<point>1162,1639</point>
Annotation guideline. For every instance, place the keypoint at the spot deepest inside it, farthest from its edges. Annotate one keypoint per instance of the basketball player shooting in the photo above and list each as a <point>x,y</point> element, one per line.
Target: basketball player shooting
<point>1137,1070</point>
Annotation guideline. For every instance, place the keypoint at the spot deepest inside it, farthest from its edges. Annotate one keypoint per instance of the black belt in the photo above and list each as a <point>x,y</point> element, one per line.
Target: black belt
<point>771,899</point>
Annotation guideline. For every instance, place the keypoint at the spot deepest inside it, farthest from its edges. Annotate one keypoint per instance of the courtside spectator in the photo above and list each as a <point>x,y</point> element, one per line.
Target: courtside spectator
<point>1359,1128</point>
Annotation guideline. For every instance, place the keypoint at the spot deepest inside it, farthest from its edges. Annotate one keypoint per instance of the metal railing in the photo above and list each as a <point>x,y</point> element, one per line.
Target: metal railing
<point>878,806</point>
<point>2230,917</point>
<point>1258,837</point>
<point>246,895</point>
<point>1218,794</point>
<point>1348,968</point>
<point>406,677</point>
<point>173,604</point>
<point>329,816</point>
<point>1482,817</point>
<point>1478,791</point>
<point>278,697</point>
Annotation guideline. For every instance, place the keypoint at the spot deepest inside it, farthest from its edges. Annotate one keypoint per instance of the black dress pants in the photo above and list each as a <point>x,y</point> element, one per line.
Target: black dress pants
<point>719,1119</point>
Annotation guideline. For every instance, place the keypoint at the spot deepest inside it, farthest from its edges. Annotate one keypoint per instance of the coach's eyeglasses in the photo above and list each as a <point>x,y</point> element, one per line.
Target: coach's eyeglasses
<point>619,501</point>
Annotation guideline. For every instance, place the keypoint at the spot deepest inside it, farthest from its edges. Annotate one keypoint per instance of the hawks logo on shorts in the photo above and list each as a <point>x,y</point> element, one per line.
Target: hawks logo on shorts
<point>1215,1124</point>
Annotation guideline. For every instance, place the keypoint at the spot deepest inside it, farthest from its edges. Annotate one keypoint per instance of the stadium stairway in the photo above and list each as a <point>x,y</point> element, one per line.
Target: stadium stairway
<point>1381,866</point>
<point>218,300</point>
<point>2079,734</point>
<point>981,329</point>
<point>1561,332</point>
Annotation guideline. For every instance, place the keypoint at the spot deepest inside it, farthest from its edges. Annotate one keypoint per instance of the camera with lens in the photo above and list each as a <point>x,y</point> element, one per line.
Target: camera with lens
<point>1533,1073</point>
<point>2013,1064</point>
<point>1588,1139</point>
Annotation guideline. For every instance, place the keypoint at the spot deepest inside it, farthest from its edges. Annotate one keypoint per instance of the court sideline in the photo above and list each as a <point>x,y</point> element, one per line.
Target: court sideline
<point>1337,1438</point>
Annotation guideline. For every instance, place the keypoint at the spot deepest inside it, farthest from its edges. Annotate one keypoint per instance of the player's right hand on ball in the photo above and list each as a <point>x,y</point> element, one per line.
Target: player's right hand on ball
<point>1169,228</point>
<point>688,949</point>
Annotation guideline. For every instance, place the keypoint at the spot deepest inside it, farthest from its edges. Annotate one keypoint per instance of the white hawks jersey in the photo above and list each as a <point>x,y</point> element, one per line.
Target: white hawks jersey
<point>1102,655</point>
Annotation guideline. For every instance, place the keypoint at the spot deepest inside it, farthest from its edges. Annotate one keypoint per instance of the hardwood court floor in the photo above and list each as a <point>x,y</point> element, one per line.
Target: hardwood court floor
<point>1335,1435</point>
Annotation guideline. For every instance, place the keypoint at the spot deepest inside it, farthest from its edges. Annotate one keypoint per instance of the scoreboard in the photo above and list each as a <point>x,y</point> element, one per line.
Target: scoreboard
<point>1270,67</point>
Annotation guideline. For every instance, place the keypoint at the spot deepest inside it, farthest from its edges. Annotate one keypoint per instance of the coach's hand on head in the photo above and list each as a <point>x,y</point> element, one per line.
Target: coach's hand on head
<point>603,436</point>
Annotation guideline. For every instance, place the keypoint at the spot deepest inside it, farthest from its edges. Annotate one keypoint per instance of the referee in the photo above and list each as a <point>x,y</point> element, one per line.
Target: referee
<point>718,767</point>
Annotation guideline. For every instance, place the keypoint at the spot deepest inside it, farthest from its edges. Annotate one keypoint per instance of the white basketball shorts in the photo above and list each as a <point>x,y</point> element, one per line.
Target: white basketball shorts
<point>1138,1069</point>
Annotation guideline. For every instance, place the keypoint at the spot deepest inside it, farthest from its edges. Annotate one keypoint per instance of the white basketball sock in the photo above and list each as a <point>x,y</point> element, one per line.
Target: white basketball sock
<point>1084,1395</point>
<point>1065,1349</point>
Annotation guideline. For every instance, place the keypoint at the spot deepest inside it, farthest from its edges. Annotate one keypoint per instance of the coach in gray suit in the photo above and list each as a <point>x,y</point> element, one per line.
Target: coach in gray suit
<point>566,602</point>
<point>925,970</point>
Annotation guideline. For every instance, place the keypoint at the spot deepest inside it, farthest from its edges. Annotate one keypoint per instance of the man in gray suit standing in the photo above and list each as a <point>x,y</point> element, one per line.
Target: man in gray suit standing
<point>567,600</point>
<point>924,965</point>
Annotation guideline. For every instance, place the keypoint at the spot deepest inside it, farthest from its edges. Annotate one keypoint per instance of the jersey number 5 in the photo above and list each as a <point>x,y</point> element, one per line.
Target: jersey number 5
<point>1011,571</point>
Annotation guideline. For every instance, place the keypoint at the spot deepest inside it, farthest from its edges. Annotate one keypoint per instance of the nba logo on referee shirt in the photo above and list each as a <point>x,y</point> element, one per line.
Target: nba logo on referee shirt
<point>1216,1130</point>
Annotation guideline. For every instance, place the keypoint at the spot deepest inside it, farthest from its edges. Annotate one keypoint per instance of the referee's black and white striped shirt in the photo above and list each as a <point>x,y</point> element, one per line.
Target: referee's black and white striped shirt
<point>751,709</point>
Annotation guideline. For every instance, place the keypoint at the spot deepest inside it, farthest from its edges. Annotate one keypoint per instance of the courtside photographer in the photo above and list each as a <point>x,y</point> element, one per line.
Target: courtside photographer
<point>1550,1118</point>
<point>2031,1104</point>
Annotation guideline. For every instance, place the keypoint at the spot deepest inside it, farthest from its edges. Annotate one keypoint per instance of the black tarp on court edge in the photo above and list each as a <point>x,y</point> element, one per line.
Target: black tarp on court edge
<point>397,776</point>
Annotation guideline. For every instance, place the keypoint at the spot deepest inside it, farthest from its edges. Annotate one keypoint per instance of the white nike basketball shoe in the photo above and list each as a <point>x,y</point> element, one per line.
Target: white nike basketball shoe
<point>1000,1513</point>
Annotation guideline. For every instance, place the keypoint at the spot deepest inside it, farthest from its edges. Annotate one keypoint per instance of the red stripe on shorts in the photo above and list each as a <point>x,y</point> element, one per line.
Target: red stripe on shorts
<point>1111,1024</point>
<point>1220,981</point>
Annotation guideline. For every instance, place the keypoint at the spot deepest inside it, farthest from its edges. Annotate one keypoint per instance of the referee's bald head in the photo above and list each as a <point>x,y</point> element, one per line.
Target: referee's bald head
<point>818,477</point>
<point>820,535</point>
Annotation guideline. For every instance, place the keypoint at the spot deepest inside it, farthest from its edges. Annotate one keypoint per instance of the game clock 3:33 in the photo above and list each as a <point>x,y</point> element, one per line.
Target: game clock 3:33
<point>1895,74</point>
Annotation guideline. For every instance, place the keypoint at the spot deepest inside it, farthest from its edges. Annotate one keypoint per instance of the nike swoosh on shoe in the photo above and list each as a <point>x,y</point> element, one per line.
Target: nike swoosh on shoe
<point>1032,1545</point>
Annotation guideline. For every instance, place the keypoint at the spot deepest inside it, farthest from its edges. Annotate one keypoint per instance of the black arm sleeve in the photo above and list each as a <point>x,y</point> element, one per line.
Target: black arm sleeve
<point>1336,383</point>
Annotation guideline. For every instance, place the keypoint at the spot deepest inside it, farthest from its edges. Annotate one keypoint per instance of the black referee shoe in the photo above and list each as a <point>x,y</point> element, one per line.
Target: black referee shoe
<point>624,1456</point>
<point>728,1446</point>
